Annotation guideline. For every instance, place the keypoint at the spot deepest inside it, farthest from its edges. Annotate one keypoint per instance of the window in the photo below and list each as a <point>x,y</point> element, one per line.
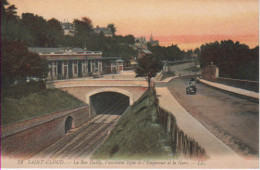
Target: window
<point>75,67</point>
<point>65,70</point>
<point>84,68</point>
<point>50,69</point>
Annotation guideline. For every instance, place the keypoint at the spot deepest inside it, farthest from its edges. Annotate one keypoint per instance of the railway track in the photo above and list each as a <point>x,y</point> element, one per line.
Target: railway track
<point>84,140</point>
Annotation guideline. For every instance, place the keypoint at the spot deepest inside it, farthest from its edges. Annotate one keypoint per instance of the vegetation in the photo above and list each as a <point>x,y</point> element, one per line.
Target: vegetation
<point>170,53</point>
<point>138,134</point>
<point>31,100</point>
<point>234,60</point>
<point>22,90</point>
<point>35,31</point>
<point>18,63</point>
<point>113,28</point>
<point>148,65</point>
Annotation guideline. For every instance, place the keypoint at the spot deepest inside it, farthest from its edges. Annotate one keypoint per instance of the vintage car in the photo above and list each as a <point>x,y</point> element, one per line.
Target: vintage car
<point>191,89</point>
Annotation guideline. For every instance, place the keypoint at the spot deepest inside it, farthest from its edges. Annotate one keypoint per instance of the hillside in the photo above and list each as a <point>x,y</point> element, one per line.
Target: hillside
<point>25,102</point>
<point>138,134</point>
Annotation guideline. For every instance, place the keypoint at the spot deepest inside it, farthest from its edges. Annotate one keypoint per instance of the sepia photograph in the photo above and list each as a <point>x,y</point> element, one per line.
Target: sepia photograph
<point>130,84</point>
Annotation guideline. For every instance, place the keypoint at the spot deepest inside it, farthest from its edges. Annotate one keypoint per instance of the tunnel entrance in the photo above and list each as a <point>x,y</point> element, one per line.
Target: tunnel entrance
<point>69,124</point>
<point>112,103</point>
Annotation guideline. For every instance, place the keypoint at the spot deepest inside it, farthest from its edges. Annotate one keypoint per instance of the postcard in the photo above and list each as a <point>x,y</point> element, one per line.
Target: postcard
<point>169,84</point>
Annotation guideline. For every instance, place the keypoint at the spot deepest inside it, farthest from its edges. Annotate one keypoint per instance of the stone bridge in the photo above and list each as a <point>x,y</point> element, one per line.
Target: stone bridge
<point>83,89</point>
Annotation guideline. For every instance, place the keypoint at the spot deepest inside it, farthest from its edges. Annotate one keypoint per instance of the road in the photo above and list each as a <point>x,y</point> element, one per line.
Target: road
<point>233,120</point>
<point>83,141</point>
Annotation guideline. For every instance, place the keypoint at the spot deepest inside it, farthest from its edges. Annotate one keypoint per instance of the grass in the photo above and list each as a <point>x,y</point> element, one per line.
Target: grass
<point>32,103</point>
<point>22,90</point>
<point>138,134</point>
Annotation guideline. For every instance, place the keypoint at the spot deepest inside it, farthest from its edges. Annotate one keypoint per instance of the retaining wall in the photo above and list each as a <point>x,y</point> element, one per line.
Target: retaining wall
<point>26,138</point>
<point>243,84</point>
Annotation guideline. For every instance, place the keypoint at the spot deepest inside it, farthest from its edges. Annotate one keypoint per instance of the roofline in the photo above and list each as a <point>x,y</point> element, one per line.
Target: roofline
<point>66,59</point>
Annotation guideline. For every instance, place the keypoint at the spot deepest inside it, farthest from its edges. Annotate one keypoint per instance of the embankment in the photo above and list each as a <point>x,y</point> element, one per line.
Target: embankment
<point>37,117</point>
<point>146,131</point>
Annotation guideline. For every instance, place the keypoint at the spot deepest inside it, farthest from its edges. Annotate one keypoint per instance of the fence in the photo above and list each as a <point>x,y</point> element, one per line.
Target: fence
<point>182,144</point>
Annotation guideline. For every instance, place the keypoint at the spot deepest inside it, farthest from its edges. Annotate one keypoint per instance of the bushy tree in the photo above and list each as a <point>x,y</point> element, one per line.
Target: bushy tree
<point>54,32</point>
<point>83,26</point>
<point>39,29</point>
<point>113,28</point>
<point>170,53</point>
<point>148,66</point>
<point>128,39</point>
<point>234,60</point>
<point>35,31</point>
<point>17,62</point>
<point>8,15</point>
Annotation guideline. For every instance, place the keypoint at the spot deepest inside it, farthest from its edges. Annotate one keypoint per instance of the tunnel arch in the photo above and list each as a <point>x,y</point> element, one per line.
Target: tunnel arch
<point>117,90</point>
<point>69,124</point>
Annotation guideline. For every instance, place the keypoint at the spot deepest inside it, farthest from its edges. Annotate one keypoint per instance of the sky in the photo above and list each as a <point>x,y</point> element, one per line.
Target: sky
<point>187,23</point>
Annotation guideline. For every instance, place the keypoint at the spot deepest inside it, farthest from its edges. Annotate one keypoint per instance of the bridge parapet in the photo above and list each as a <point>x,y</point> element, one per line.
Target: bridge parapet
<point>96,83</point>
<point>83,89</point>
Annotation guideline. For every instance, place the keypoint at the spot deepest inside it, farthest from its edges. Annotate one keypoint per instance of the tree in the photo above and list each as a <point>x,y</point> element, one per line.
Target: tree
<point>148,66</point>
<point>54,32</point>
<point>234,60</point>
<point>18,63</point>
<point>39,29</point>
<point>189,54</point>
<point>3,4</point>
<point>197,51</point>
<point>130,39</point>
<point>11,11</point>
<point>170,53</point>
<point>7,14</point>
<point>83,26</point>
<point>55,24</point>
<point>113,28</point>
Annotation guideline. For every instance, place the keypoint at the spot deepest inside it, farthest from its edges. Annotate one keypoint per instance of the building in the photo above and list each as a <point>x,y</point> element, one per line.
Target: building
<point>143,52</point>
<point>68,28</point>
<point>210,72</point>
<point>133,61</point>
<point>75,62</point>
<point>153,42</point>
<point>106,31</point>
<point>140,42</point>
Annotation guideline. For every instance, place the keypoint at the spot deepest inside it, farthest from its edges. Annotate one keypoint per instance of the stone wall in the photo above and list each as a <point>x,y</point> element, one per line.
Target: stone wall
<point>182,144</point>
<point>26,138</point>
<point>210,73</point>
<point>243,84</point>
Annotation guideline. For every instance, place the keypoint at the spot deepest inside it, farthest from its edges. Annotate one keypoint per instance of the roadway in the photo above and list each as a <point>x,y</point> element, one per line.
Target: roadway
<point>235,121</point>
<point>82,141</point>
